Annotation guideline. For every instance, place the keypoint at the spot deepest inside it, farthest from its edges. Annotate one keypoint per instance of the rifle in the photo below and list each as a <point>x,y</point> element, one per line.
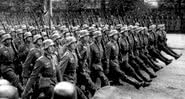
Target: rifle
<point>3,26</point>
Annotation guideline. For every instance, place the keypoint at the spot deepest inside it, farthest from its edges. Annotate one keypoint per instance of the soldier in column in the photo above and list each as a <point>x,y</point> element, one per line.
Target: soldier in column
<point>19,38</point>
<point>47,70</point>
<point>96,56</point>
<point>113,66</point>
<point>142,51</point>
<point>83,53</point>
<point>7,62</point>
<point>124,52</point>
<point>162,45</point>
<point>30,61</point>
<point>134,60</point>
<point>60,50</point>
<point>44,35</point>
<point>69,65</point>
<point>153,48</point>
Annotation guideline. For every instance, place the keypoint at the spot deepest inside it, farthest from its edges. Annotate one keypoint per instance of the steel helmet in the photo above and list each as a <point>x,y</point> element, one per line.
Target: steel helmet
<point>113,32</point>
<point>27,34</point>
<point>64,90</point>
<point>47,43</point>
<point>36,37</point>
<point>70,40</point>
<point>5,37</point>
<point>4,82</point>
<point>8,92</point>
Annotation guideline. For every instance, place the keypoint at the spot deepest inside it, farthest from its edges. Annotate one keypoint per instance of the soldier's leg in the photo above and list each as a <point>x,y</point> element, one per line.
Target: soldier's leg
<point>103,78</point>
<point>147,61</point>
<point>125,78</point>
<point>138,70</point>
<point>144,67</point>
<point>11,76</point>
<point>157,54</point>
<point>86,80</point>
<point>130,71</point>
<point>169,51</point>
<point>152,61</point>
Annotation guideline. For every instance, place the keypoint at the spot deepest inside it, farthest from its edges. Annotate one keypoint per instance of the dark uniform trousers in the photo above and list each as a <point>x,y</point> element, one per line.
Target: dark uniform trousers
<point>113,64</point>
<point>28,66</point>
<point>143,52</point>
<point>124,65</point>
<point>96,66</point>
<point>163,45</point>
<point>7,66</point>
<point>136,54</point>
<point>68,68</point>
<point>83,72</point>
<point>152,48</point>
<point>48,73</point>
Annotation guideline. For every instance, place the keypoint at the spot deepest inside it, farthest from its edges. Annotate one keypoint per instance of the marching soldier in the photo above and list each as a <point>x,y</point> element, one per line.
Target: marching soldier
<point>96,56</point>
<point>163,44</point>
<point>7,62</point>
<point>47,70</point>
<point>60,49</point>
<point>124,52</point>
<point>83,53</point>
<point>44,35</point>
<point>19,39</point>
<point>134,59</point>
<point>69,65</point>
<point>113,66</point>
<point>30,61</point>
<point>153,48</point>
<point>23,51</point>
<point>142,51</point>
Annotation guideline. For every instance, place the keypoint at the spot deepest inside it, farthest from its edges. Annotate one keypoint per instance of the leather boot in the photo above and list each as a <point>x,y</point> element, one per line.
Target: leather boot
<point>133,82</point>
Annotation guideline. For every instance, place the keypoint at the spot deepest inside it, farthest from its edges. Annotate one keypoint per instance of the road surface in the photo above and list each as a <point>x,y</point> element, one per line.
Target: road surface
<point>170,83</point>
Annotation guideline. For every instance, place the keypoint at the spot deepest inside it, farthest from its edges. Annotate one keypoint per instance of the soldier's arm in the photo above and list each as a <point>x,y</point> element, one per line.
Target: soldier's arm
<point>59,74</point>
<point>107,56</point>
<point>27,64</point>
<point>63,64</point>
<point>35,73</point>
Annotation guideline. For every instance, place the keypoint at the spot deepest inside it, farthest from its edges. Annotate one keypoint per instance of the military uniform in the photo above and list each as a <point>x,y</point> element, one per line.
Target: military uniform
<point>113,64</point>
<point>49,74</point>
<point>83,53</point>
<point>143,56</point>
<point>135,61</point>
<point>163,46</point>
<point>155,52</point>
<point>96,67</point>
<point>7,67</point>
<point>33,55</point>
<point>68,67</point>
<point>124,59</point>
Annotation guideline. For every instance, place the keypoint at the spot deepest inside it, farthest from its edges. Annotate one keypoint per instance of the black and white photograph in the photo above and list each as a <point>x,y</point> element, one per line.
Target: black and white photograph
<point>92,49</point>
